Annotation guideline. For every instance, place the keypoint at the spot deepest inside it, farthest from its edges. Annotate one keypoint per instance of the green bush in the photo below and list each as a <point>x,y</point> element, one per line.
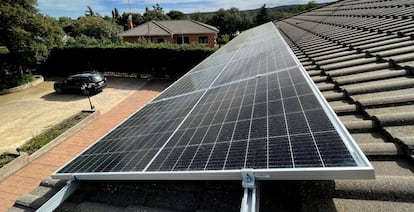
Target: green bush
<point>39,141</point>
<point>223,39</point>
<point>159,60</point>
<point>12,76</point>
<point>5,158</point>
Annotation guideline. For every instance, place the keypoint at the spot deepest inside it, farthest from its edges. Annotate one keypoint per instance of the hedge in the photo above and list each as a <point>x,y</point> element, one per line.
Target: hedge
<point>158,62</point>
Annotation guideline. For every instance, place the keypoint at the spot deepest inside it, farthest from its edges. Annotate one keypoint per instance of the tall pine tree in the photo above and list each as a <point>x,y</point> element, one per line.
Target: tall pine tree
<point>263,16</point>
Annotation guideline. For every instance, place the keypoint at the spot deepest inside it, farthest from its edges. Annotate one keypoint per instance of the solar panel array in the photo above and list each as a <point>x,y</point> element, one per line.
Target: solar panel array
<point>248,106</point>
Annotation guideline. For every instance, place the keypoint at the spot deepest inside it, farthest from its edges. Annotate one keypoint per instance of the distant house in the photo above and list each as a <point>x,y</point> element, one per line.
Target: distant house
<point>174,31</point>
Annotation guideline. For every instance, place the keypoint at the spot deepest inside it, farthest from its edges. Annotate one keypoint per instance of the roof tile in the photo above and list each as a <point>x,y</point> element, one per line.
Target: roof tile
<point>317,79</point>
<point>379,85</point>
<point>387,149</point>
<point>359,126</point>
<point>358,69</point>
<point>330,56</point>
<point>386,97</point>
<point>323,86</point>
<point>398,118</point>
<point>342,204</point>
<point>382,188</point>
<point>340,59</point>
<point>171,27</point>
<point>368,76</point>
<point>401,132</point>
<point>366,138</point>
<point>332,95</point>
<point>345,64</point>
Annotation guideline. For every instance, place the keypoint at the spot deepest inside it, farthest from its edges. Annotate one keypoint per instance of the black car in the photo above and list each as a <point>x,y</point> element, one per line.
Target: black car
<point>81,83</point>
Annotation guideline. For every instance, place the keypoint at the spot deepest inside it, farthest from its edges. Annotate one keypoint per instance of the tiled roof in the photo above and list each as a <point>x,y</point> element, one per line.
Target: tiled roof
<point>169,28</point>
<point>360,54</point>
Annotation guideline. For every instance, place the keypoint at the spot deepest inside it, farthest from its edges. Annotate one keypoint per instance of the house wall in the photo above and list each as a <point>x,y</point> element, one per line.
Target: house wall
<point>193,38</point>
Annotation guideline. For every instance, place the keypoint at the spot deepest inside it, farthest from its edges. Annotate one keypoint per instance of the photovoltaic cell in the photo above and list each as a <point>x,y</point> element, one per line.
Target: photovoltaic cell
<point>192,82</point>
<point>131,145</point>
<point>250,124</point>
<point>249,106</point>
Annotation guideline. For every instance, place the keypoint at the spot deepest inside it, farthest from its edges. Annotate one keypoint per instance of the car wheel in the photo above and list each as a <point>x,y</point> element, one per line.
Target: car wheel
<point>58,90</point>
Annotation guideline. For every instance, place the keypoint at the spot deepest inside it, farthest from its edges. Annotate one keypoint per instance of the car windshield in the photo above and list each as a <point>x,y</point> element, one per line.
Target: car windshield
<point>96,78</point>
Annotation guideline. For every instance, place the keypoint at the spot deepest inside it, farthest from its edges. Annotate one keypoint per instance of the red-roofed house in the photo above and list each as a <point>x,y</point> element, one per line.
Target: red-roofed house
<point>173,31</point>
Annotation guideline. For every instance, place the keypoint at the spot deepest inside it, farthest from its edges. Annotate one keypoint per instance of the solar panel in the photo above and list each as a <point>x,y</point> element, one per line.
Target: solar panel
<point>256,110</point>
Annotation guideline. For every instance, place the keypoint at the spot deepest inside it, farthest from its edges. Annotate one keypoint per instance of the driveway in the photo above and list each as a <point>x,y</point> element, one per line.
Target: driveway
<point>32,111</point>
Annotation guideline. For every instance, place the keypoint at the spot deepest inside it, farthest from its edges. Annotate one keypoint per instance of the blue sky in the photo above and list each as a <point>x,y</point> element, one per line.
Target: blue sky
<point>76,8</point>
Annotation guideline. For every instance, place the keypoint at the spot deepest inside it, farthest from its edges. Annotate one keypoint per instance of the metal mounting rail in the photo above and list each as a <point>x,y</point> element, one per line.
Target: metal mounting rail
<point>250,201</point>
<point>60,196</point>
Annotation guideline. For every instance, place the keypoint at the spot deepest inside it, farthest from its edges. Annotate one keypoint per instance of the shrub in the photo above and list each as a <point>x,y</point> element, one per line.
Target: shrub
<point>12,76</point>
<point>40,140</point>
<point>5,158</point>
<point>159,60</point>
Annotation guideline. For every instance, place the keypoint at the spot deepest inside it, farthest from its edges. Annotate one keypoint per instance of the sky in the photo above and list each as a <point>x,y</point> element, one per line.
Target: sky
<point>77,8</point>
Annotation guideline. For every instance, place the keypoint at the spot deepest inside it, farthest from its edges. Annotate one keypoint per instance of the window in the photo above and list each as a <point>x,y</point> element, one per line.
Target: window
<point>160,40</point>
<point>181,39</point>
<point>203,39</point>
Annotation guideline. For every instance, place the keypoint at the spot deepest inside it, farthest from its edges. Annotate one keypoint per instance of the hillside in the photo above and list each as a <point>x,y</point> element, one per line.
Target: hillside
<point>275,11</point>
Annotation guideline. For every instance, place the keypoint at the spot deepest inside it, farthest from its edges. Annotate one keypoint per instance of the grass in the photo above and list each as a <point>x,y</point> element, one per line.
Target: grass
<point>6,157</point>
<point>40,140</point>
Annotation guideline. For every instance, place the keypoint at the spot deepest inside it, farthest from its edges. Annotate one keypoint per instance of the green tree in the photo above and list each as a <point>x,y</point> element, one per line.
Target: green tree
<point>28,35</point>
<point>29,38</point>
<point>89,11</point>
<point>312,4</point>
<point>67,24</point>
<point>228,21</point>
<point>157,13</point>
<point>263,16</point>
<point>199,17</point>
<point>137,19</point>
<point>247,21</point>
<point>115,14</point>
<point>96,27</point>
<point>177,15</point>
<point>303,7</point>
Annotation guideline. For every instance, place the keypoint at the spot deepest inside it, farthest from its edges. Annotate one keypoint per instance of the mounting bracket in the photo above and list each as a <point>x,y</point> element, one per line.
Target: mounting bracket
<point>57,199</point>
<point>250,201</point>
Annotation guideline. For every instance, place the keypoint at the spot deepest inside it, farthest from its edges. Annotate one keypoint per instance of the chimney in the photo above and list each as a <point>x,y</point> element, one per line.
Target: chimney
<point>130,24</point>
